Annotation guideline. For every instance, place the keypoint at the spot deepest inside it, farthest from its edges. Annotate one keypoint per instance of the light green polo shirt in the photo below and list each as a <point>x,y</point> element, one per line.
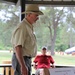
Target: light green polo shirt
<point>24,35</point>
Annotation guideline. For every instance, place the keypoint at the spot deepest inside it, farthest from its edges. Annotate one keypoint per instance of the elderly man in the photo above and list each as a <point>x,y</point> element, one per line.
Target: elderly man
<point>24,41</point>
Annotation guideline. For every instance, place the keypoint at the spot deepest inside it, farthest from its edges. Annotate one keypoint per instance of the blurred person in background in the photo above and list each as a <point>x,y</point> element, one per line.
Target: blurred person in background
<point>43,61</point>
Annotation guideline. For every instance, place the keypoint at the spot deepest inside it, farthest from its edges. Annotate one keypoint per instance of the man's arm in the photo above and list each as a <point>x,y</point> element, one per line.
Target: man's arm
<point>35,65</point>
<point>21,60</point>
<point>53,66</point>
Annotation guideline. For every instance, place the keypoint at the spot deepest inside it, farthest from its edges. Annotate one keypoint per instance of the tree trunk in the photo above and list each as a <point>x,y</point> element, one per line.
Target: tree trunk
<point>53,43</point>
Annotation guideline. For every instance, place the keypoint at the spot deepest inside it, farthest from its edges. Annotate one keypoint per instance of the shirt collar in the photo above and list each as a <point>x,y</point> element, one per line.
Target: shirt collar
<point>30,25</point>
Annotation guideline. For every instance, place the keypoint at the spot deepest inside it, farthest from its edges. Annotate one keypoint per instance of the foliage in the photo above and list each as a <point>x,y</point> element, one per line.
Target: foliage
<point>8,21</point>
<point>59,18</point>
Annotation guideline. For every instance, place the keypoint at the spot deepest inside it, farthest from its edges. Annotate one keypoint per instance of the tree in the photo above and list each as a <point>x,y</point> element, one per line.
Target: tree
<point>9,18</point>
<point>71,24</point>
<point>52,20</point>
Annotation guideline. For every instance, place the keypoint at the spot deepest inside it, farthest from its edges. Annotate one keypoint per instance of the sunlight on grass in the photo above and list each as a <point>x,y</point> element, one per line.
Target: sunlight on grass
<point>64,59</point>
<point>59,59</point>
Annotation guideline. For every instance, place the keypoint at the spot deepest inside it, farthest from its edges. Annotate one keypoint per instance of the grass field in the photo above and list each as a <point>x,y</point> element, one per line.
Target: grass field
<point>59,59</point>
<point>5,56</point>
<point>64,60</point>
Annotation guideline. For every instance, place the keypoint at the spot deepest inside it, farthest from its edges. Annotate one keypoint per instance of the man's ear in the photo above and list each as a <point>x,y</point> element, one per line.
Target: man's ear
<point>29,14</point>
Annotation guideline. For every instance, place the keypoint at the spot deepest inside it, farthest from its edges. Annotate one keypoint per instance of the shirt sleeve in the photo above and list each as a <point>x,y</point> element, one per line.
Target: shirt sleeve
<point>35,59</point>
<point>51,60</point>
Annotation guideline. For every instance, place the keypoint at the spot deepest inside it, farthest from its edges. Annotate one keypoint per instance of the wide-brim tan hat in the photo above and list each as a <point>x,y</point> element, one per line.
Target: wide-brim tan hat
<point>32,8</point>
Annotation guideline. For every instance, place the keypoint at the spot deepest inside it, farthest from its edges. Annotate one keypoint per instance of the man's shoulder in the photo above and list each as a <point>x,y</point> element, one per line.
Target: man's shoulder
<point>22,24</point>
<point>39,55</point>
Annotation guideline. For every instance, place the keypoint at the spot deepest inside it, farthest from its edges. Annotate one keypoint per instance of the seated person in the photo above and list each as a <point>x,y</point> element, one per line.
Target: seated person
<point>43,61</point>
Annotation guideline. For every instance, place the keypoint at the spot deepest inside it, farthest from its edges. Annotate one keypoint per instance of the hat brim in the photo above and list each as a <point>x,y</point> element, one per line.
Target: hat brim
<point>38,12</point>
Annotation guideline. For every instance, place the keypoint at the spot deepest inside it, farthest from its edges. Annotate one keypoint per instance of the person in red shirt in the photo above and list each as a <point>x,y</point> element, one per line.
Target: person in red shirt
<point>43,61</point>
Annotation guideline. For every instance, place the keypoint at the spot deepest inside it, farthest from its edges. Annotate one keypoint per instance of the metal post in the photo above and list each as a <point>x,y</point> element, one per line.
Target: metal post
<point>22,8</point>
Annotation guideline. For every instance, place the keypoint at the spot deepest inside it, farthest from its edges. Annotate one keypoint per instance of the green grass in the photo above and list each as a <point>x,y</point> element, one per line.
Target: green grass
<point>5,56</point>
<point>64,59</point>
<point>59,59</point>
